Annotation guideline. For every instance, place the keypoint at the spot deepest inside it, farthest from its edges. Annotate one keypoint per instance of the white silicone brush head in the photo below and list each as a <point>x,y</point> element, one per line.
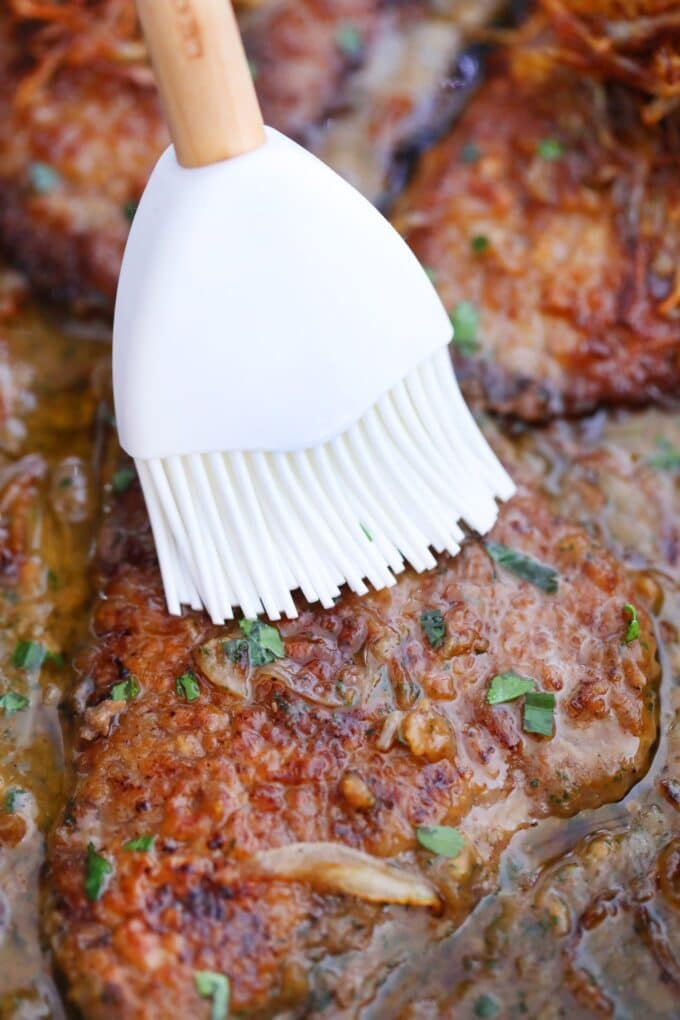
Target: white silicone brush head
<point>263,304</point>
<point>248,529</point>
<point>282,379</point>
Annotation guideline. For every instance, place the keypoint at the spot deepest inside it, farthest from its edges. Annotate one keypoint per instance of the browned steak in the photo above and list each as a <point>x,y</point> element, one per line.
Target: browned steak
<point>586,923</point>
<point>81,128</point>
<point>284,799</point>
<point>554,208</point>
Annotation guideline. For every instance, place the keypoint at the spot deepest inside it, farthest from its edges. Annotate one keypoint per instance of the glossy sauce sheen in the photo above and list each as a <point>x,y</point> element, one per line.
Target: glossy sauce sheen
<point>569,881</point>
<point>303,754</point>
<point>52,420</point>
<point>312,733</point>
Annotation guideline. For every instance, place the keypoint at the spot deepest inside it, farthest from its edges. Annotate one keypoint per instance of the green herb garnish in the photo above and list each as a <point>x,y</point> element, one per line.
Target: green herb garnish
<point>235,649</point>
<point>667,458</point>
<point>523,566</point>
<point>142,843</point>
<point>366,532</point>
<point>465,322</point>
<point>264,642</point>
<point>485,1007</point>
<point>43,177</point>
<point>470,153</point>
<point>31,655</point>
<point>11,800</point>
<point>550,149</point>
<point>479,243</point>
<point>210,985</point>
<point>129,210</point>
<point>12,702</point>
<point>349,41</point>
<point>96,870</point>
<point>434,625</point>
<point>431,273</point>
<point>187,687</point>
<point>539,707</point>
<point>508,686</point>
<point>443,840</point>
<point>126,690</point>
<point>123,479</point>
<point>633,628</point>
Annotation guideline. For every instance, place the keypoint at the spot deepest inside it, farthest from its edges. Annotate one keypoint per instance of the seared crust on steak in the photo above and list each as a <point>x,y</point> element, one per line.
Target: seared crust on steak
<point>577,284</point>
<point>361,733</point>
<point>554,206</point>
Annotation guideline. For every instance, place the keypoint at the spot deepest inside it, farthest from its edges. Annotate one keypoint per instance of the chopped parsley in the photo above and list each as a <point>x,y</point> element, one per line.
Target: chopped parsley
<point>126,690</point>
<point>485,1007</point>
<point>123,479</point>
<point>465,322</point>
<point>129,210</point>
<point>508,686</point>
<point>187,687</point>
<point>142,843</point>
<point>366,532</point>
<point>349,41</point>
<point>264,642</point>
<point>253,68</point>
<point>432,622</point>
<point>11,800</point>
<point>550,149</point>
<point>260,645</point>
<point>633,628</point>
<point>431,273</point>
<point>479,243</point>
<point>539,708</point>
<point>235,649</point>
<point>667,458</point>
<point>443,840</point>
<point>12,702</point>
<point>43,177</point>
<point>524,566</point>
<point>210,985</point>
<point>470,153</point>
<point>31,655</point>
<point>97,868</point>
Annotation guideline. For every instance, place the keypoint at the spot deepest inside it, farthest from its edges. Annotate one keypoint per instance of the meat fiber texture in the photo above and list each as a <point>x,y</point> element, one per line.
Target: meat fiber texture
<point>362,732</point>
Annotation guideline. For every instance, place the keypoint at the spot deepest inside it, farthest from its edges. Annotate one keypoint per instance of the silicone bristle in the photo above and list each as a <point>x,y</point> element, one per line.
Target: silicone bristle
<point>246,530</point>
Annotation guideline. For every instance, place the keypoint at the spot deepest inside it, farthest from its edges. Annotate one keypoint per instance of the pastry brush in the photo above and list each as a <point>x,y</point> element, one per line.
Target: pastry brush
<point>281,368</point>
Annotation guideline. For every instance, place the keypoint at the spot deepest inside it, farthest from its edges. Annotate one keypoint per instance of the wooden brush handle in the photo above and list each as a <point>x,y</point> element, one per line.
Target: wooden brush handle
<point>203,77</point>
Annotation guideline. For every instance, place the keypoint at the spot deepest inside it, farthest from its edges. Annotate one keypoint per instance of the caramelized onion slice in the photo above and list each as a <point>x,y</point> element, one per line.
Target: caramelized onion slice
<point>340,869</point>
<point>215,664</point>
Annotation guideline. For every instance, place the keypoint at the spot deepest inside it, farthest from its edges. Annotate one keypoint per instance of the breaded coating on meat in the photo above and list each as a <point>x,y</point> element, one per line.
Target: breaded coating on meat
<point>554,208</point>
<point>81,127</point>
<point>283,798</point>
